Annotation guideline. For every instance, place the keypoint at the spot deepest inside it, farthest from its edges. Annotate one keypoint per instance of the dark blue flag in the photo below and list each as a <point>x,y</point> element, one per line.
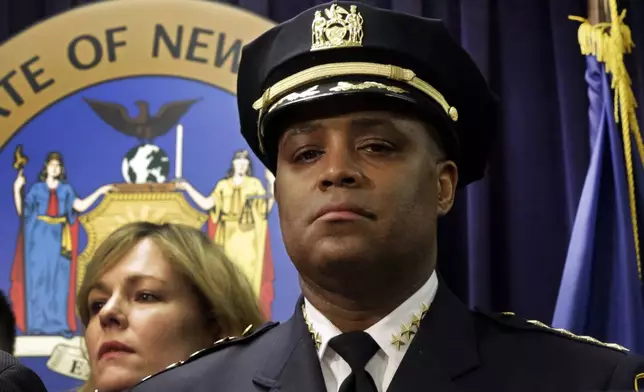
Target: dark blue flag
<point>602,293</point>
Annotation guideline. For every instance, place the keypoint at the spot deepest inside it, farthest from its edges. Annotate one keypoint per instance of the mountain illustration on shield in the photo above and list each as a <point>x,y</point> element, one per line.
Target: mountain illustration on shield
<point>145,163</point>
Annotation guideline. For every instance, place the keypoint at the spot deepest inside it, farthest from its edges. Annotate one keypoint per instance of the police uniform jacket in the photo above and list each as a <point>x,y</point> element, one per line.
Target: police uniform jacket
<point>455,349</point>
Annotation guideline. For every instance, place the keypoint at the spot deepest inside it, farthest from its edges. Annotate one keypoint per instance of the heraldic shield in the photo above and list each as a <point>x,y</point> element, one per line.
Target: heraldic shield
<point>156,203</point>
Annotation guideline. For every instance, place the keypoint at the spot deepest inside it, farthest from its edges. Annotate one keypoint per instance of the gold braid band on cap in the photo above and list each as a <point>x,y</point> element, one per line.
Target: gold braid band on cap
<point>330,70</point>
<point>325,71</point>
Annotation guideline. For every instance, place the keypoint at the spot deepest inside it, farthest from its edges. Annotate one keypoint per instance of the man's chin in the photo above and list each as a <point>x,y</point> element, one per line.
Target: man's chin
<point>340,233</point>
<point>342,252</point>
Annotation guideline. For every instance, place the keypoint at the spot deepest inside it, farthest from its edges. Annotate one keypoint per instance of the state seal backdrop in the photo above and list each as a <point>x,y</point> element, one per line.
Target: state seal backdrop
<point>115,112</point>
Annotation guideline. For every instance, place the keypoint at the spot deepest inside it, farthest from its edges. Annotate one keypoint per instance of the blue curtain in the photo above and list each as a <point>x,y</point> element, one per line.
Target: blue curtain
<point>504,246</point>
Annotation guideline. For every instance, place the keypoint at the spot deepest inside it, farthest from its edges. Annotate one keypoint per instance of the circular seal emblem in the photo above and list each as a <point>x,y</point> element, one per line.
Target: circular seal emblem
<point>115,112</point>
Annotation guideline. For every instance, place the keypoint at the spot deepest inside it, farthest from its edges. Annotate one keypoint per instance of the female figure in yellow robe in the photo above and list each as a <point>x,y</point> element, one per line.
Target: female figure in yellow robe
<point>239,207</point>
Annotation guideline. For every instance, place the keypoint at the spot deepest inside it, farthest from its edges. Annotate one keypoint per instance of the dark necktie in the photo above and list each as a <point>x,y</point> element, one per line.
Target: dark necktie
<point>356,348</point>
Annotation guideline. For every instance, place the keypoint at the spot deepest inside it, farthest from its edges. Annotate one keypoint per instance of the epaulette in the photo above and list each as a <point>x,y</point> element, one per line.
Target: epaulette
<point>246,336</point>
<point>512,320</point>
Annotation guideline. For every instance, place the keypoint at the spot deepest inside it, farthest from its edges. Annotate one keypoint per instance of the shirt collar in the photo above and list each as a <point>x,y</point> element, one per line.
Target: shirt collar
<point>385,331</point>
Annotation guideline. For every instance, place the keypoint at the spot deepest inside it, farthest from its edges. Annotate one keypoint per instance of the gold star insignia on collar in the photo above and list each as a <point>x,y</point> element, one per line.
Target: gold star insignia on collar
<point>407,331</point>
<point>397,341</point>
<point>415,320</point>
<point>317,340</point>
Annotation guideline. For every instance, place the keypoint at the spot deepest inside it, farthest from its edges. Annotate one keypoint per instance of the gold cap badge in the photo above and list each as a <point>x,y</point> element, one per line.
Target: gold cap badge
<point>340,28</point>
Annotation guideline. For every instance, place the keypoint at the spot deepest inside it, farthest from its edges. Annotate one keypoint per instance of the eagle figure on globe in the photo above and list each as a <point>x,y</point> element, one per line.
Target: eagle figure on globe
<point>145,163</point>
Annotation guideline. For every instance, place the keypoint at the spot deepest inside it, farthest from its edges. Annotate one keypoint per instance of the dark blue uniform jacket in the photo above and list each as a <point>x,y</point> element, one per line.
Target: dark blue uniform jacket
<point>456,349</point>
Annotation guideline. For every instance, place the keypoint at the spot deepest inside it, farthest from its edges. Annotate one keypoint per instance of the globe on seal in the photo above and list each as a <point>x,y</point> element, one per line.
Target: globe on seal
<point>146,163</point>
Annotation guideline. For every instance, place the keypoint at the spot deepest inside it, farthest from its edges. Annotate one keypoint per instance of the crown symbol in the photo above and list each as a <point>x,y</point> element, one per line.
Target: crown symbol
<point>340,28</point>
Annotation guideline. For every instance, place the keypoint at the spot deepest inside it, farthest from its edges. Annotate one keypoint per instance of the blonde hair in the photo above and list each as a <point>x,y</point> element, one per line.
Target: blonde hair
<point>223,290</point>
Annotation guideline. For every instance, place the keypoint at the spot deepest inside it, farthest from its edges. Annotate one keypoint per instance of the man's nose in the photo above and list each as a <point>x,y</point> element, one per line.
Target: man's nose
<point>341,169</point>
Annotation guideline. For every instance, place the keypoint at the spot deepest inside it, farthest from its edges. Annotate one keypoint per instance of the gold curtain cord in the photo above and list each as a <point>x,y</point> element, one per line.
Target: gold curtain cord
<point>608,42</point>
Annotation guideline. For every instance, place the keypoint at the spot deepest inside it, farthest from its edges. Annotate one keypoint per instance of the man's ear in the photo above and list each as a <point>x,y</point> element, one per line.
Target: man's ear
<point>447,178</point>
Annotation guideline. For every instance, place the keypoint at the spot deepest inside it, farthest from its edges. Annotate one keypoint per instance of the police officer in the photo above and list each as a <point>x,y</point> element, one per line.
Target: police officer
<point>370,120</point>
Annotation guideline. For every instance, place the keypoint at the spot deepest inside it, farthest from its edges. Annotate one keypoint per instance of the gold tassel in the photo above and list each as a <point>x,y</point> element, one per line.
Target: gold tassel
<point>608,42</point>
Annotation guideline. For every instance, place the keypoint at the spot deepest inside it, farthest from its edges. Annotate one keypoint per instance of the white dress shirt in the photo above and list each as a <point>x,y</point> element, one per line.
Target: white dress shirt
<point>385,362</point>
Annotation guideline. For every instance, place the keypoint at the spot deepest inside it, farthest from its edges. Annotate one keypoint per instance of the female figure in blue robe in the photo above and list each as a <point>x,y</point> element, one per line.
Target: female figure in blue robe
<point>44,273</point>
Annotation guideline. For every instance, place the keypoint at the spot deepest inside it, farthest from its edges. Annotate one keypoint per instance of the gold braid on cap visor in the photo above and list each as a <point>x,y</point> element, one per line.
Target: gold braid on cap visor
<point>326,71</point>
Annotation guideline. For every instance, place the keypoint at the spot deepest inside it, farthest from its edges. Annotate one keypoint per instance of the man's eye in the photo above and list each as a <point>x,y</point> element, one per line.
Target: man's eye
<point>377,147</point>
<point>307,155</point>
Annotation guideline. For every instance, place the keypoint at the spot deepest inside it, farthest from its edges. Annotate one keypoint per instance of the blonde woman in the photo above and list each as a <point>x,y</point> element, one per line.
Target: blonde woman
<point>154,294</point>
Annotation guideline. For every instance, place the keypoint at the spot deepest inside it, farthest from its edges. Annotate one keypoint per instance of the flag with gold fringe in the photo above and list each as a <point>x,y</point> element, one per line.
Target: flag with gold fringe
<point>601,292</point>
